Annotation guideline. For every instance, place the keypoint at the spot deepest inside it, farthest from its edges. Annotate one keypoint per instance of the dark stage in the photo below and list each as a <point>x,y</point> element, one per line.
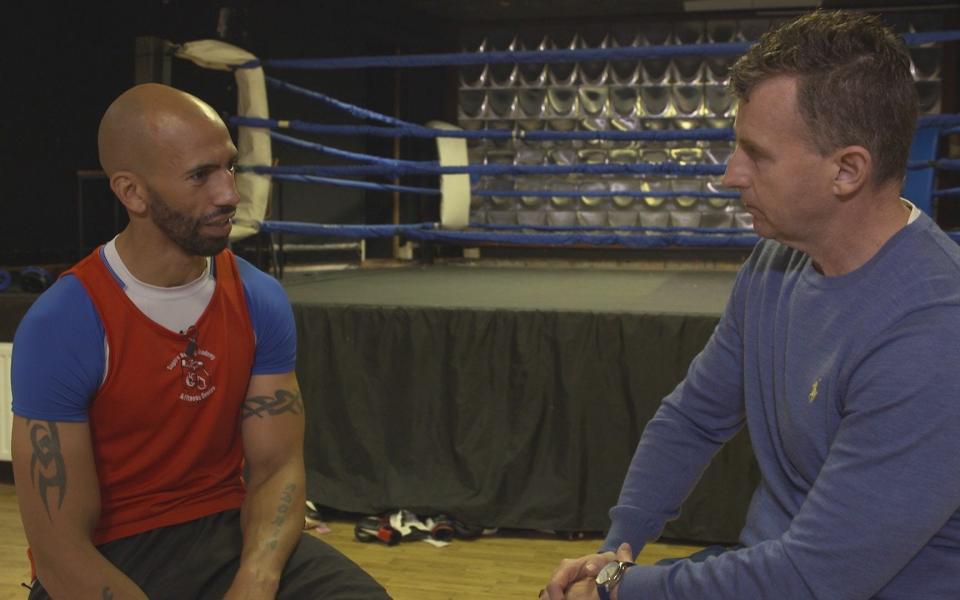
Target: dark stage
<point>507,397</point>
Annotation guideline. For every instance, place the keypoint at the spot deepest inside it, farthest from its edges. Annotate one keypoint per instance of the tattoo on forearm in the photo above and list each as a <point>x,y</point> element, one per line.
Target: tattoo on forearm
<point>106,594</point>
<point>283,401</point>
<point>47,469</point>
<point>286,499</point>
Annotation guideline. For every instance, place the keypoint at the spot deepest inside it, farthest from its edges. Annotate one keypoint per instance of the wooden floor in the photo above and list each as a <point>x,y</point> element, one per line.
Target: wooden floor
<point>504,566</point>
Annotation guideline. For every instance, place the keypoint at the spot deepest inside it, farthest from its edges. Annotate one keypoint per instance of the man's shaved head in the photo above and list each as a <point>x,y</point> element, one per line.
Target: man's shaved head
<point>142,121</point>
<point>170,160</point>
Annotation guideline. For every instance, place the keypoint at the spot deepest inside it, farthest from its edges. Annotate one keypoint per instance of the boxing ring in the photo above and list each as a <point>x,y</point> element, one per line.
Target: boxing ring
<point>664,146</point>
<point>516,397</point>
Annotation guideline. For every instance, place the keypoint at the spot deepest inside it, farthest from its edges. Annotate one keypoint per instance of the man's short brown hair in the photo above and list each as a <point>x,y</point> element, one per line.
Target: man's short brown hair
<point>854,85</point>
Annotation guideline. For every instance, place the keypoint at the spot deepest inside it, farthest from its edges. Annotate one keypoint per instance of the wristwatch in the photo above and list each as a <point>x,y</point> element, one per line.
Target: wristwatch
<point>609,577</point>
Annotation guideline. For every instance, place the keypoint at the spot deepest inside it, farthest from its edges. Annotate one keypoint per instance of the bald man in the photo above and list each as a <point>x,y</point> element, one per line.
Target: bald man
<point>148,374</point>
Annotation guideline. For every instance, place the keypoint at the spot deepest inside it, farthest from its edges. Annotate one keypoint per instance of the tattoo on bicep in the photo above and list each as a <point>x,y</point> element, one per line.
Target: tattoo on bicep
<point>283,401</point>
<point>106,594</point>
<point>47,468</point>
<point>286,499</point>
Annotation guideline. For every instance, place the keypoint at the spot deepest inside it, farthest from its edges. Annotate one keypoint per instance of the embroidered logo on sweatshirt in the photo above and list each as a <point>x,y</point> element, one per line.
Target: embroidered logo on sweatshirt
<point>814,390</point>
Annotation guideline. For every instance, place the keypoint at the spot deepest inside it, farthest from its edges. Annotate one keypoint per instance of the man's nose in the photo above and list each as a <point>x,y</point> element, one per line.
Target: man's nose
<point>228,194</point>
<point>735,175</point>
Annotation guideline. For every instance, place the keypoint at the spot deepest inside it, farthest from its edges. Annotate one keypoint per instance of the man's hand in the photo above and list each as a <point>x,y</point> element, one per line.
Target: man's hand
<point>576,576</point>
<point>585,589</point>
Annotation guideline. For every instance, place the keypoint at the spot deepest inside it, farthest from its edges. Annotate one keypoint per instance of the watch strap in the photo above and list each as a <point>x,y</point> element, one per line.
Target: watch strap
<point>605,589</point>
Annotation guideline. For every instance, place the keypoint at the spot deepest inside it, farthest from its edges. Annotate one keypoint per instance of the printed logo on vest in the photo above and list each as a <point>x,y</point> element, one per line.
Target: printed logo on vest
<point>194,374</point>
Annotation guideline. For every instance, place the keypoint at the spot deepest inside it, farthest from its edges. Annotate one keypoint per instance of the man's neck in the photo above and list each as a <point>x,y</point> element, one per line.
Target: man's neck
<point>155,260</point>
<point>861,227</point>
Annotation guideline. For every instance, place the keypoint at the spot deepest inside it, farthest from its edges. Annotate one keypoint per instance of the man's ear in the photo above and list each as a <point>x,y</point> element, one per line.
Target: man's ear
<point>854,167</point>
<point>130,190</point>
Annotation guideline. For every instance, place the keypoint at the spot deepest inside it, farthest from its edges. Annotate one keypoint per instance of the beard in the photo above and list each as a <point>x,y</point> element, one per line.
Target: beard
<point>184,230</point>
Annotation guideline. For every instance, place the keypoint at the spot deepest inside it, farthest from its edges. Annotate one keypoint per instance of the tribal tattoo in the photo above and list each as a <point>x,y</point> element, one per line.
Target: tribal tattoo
<point>47,468</point>
<point>283,401</point>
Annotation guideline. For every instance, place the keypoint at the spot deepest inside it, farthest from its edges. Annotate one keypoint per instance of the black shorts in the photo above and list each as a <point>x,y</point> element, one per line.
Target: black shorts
<point>199,559</point>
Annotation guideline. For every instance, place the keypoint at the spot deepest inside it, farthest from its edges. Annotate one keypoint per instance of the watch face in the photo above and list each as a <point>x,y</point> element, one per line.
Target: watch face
<point>608,573</point>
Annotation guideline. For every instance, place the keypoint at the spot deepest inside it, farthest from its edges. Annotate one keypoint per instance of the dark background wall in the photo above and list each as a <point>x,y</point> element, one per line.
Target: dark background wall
<point>65,62</point>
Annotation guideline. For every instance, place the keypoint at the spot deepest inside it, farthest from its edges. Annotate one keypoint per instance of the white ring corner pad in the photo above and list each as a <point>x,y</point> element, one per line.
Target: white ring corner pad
<point>253,143</point>
<point>454,189</point>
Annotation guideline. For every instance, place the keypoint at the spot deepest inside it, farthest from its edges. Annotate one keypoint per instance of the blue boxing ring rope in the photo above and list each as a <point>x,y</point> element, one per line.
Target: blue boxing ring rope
<point>919,186</point>
<point>546,56</point>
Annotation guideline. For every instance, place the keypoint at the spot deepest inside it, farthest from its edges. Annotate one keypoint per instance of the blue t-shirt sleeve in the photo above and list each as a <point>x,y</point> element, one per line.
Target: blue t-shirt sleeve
<point>272,318</point>
<point>58,355</point>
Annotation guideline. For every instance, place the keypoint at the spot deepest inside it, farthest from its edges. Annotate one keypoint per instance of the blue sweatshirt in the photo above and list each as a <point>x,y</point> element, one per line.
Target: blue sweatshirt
<point>850,390</point>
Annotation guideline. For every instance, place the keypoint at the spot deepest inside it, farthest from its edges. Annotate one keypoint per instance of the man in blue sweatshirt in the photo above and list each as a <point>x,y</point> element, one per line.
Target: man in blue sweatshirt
<point>839,350</point>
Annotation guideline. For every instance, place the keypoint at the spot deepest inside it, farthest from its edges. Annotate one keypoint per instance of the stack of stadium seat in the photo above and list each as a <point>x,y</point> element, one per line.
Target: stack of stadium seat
<point>619,95</point>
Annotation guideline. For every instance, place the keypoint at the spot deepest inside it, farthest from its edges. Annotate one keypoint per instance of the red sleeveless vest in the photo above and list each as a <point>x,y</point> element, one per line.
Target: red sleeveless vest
<point>165,423</point>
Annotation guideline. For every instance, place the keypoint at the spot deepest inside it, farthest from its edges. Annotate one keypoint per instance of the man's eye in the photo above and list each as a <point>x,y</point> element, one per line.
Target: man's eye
<point>198,176</point>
